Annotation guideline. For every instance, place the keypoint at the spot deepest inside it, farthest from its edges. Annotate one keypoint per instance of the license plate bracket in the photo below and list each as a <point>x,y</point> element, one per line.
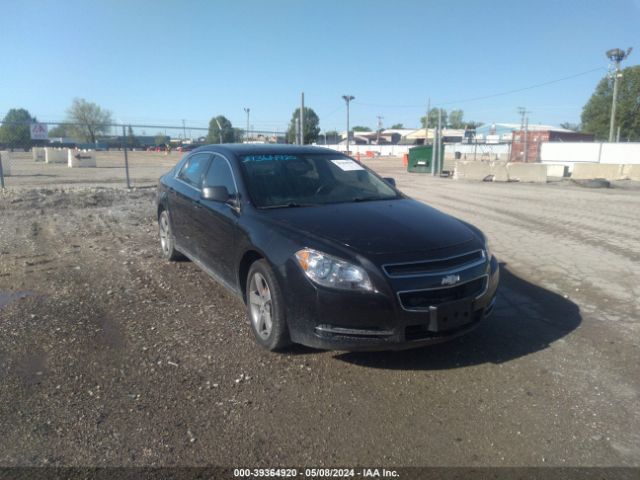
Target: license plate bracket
<point>450,315</point>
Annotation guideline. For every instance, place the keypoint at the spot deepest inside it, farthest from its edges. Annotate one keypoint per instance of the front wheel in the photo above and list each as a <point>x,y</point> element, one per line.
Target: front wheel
<point>265,307</point>
<point>167,242</point>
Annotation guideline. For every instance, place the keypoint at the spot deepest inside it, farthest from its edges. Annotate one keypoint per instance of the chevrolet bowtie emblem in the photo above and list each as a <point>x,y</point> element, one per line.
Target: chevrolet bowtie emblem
<point>450,280</point>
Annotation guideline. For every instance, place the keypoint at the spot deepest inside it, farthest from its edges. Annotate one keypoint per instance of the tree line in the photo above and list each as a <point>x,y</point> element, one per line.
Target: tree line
<point>88,122</point>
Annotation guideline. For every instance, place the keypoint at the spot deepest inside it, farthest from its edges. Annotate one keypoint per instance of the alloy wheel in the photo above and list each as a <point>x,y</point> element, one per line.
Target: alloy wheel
<point>260,305</point>
<point>165,232</point>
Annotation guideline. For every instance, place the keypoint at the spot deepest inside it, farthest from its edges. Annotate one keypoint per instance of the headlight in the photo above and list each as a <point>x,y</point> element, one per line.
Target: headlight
<point>329,271</point>
<point>487,247</point>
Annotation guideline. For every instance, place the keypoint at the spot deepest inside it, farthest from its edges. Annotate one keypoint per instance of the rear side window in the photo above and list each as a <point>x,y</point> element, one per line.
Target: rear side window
<point>220,174</point>
<point>193,171</point>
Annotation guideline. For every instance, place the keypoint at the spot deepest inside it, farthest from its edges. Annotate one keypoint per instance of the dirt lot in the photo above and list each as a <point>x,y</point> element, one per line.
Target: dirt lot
<point>144,170</point>
<point>111,356</point>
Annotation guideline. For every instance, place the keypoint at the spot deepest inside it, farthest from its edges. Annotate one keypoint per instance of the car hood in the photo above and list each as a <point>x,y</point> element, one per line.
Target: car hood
<point>377,227</point>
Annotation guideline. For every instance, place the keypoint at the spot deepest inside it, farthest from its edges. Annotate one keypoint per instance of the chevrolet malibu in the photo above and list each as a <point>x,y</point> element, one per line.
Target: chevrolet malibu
<point>322,251</point>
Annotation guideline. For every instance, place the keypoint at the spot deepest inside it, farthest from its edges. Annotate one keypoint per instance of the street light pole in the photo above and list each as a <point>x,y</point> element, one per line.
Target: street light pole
<point>612,122</point>
<point>219,129</point>
<point>615,55</point>
<point>302,118</point>
<point>348,98</point>
<point>247,132</point>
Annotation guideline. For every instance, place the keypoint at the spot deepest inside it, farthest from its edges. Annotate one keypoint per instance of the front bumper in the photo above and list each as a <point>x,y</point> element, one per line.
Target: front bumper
<point>367,322</point>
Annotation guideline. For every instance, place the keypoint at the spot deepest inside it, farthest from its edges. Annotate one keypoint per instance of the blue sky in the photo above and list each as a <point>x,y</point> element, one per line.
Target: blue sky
<point>161,62</point>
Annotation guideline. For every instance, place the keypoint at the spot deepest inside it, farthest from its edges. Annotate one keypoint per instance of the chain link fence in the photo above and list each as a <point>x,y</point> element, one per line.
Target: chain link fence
<point>112,161</point>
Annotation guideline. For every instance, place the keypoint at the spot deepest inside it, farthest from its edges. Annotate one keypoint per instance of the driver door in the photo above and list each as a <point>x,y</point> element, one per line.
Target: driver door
<point>217,223</point>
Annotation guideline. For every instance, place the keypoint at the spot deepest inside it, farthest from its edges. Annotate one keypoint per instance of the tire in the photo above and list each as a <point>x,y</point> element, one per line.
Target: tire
<point>167,241</point>
<point>265,308</point>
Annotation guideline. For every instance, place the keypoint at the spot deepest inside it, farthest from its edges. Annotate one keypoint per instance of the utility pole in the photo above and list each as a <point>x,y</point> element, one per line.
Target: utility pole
<point>439,143</point>
<point>526,139</point>
<point>379,128</point>
<point>348,98</point>
<point>615,55</point>
<point>246,134</point>
<point>426,122</point>
<point>426,138</point>
<point>184,131</point>
<point>522,111</point>
<point>301,119</point>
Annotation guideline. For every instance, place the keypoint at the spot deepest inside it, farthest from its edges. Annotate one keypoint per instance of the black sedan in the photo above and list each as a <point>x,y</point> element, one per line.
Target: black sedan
<point>323,251</point>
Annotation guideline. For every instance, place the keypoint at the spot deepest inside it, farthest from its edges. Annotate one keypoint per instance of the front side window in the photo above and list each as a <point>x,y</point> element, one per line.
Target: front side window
<point>193,170</point>
<point>220,175</point>
<point>310,179</point>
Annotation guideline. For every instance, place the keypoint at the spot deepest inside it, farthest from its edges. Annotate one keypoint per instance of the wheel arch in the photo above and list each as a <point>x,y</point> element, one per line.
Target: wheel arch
<point>162,205</point>
<point>248,258</point>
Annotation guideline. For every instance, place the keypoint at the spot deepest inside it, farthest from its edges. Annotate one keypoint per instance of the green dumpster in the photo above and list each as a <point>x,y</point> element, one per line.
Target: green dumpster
<point>420,159</point>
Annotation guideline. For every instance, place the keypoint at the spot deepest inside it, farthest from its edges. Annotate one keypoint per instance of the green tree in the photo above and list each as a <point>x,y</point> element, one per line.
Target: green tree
<point>359,128</point>
<point>397,126</point>
<point>161,139</point>
<point>15,131</point>
<point>596,114</point>
<point>455,119</point>
<point>311,126</point>
<point>227,130</point>
<point>473,125</point>
<point>59,131</point>
<point>433,118</point>
<point>90,120</point>
<point>132,140</point>
<point>333,136</point>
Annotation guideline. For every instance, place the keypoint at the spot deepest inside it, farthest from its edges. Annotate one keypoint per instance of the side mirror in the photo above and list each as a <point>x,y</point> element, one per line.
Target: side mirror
<point>390,181</point>
<point>217,194</point>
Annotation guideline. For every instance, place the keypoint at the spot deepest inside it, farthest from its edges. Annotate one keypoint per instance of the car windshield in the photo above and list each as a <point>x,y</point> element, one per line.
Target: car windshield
<point>300,180</point>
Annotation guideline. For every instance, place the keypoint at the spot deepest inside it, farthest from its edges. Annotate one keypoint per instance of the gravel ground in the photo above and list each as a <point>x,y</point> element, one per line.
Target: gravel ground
<point>111,356</point>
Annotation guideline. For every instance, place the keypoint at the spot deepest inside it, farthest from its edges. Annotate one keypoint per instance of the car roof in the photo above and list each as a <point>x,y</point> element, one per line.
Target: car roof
<point>261,149</point>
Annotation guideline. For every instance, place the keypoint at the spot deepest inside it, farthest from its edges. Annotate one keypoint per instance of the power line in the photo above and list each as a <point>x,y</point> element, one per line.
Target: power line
<point>493,95</point>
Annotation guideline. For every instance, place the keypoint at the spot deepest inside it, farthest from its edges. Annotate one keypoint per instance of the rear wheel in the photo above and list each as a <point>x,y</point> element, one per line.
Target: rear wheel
<point>265,307</point>
<point>167,242</point>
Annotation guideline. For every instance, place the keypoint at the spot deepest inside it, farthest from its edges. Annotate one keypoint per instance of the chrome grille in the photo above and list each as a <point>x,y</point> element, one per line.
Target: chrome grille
<point>436,266</point>
<point>418,300</point>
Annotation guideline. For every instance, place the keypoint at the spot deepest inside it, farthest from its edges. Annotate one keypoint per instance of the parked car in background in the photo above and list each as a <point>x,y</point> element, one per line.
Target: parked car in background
<point>323,251</point>
<point>187,148</point>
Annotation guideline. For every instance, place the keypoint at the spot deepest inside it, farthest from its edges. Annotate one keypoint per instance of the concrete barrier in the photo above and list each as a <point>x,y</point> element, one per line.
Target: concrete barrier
<point>632,172</point>
<point>81,159</point>
<point>587,171</point>
<point>557,170</point>
<point>527,172</point>
<point>465,170</point>
<point>500,172</point>
<point>38,154</point>
<point>5,157</point>
<point>54,155</point>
